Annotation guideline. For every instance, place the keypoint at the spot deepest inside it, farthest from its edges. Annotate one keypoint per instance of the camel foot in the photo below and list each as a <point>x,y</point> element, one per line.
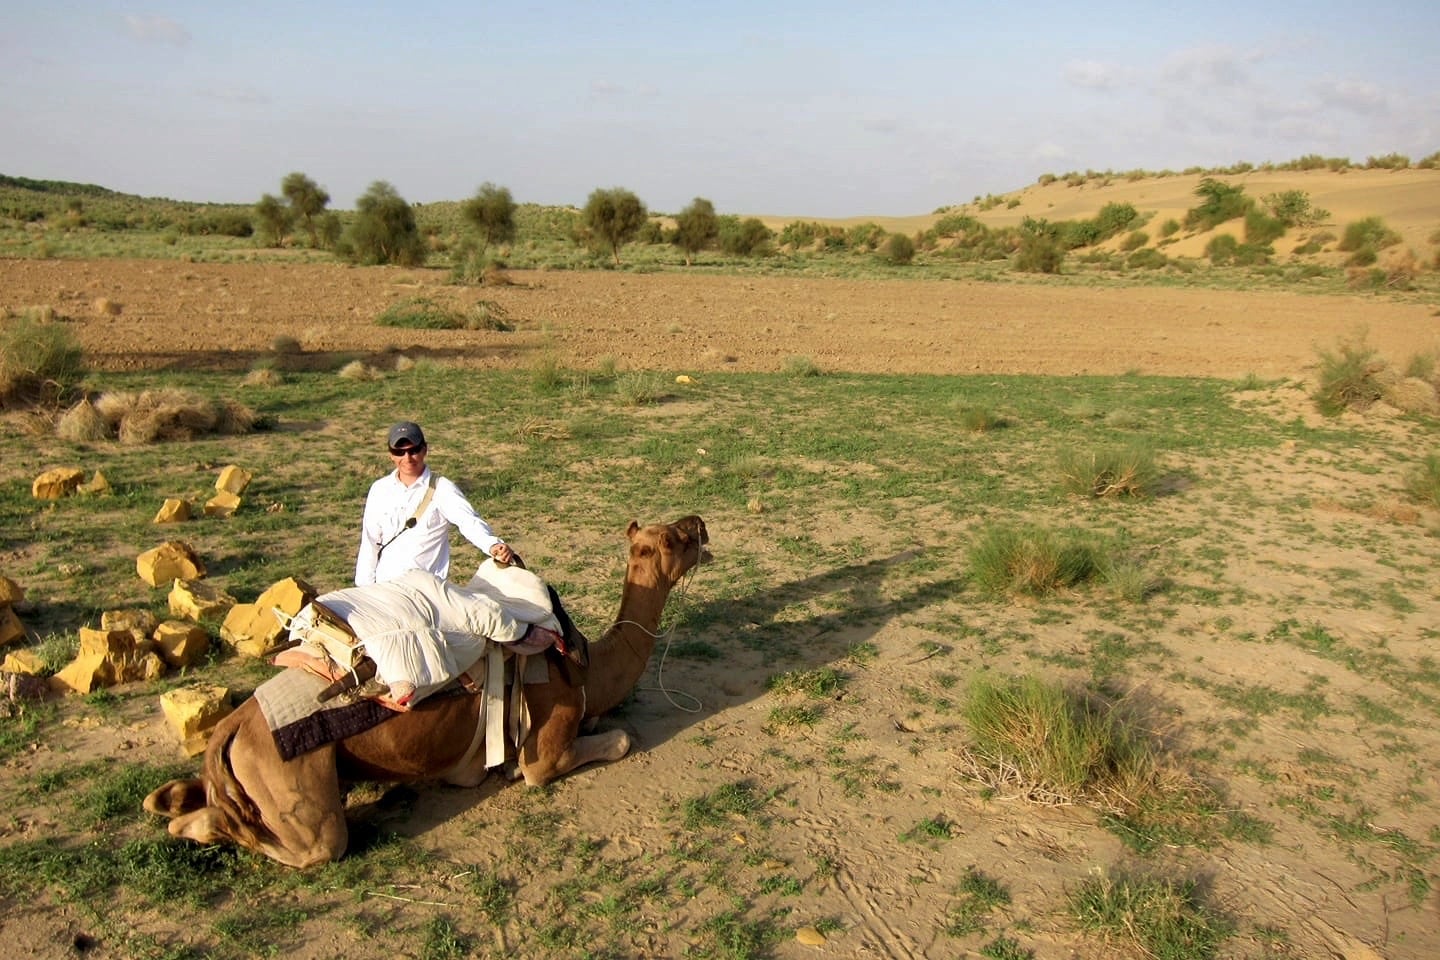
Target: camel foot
<point>176,798</point>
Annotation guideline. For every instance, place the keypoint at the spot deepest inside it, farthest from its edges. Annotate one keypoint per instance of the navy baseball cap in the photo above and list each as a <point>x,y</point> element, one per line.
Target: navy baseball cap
<point>405,434</point>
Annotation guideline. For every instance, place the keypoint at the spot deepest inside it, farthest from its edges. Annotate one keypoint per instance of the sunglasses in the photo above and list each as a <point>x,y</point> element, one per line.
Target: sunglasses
<point>407,451</point>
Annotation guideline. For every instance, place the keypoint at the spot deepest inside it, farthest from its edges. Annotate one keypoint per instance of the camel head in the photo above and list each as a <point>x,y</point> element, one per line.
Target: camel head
<point>670,549</point>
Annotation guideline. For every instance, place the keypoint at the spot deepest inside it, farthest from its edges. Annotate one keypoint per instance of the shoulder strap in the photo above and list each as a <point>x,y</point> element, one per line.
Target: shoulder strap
<point>425,500</point>
<point>414,517</point>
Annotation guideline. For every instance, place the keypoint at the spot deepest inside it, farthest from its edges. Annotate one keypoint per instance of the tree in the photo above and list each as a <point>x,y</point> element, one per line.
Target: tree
<point>307,201</point>
<point>492,212</point>
<point>614,216</point>
<point>273,220</point>
<point>695,228</point>
<point>383,230</point>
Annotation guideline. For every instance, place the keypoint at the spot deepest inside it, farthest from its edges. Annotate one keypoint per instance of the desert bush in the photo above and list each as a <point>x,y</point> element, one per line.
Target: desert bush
<point>1134,241</point>
<point>1147,258</point>
<point>744,238</point>
<point>1261,228</point>
<point>1219,202</point>
<point>1292,207</point>
<point>899,249</point>
<point>1128,470</point>
<point>1030,561</point>
<point>1223,249</point>
<point>1115,217</point>
<point>1359,277</point>
<point>1423,483</point>
<point>40,362</point>
<point>383,230</point>
<point>1169,228</point>
<point>1389,161</point>
<point>1348,378</point>
<point>1370,234</point>
<point>865,236</point>
<point>1039,254</point>
<point>800,233</point>
<point>1041,250</point>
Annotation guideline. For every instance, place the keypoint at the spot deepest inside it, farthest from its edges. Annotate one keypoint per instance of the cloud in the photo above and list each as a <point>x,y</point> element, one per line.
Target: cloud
<point>1094,75</point>
<point>1357,95</point>
<point>246,95</point>
<point>607,89</point>
<point>1209,65</point>
<point>1049,151</point>
<point>153,29</point>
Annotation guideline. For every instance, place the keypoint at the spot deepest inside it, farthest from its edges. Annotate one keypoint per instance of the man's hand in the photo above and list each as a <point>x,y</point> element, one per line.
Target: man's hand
<point>502,553</point>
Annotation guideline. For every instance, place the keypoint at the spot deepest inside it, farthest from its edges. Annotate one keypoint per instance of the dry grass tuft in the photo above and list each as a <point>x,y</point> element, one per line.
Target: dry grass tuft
<point>82,423</point>
<point>1413,395</point>
<point>105,307</point>
<point>263,377</point>
<point>154,416</point>
<point>495,275</point>
<point>359,370</point>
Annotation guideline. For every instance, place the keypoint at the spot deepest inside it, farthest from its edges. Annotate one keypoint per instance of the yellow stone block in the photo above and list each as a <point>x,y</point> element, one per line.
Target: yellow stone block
<point>192,713</point>
<point>173,510</point>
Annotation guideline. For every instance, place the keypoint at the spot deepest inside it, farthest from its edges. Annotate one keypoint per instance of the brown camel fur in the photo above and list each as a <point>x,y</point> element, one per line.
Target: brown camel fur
<point>293,810</point>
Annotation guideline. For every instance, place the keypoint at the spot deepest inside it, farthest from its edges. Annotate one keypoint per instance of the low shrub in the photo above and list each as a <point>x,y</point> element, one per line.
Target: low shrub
<point>1368,233</point>
<point>1121,471</point>
<point>1030,561</point>
<point>420,313</point>
<point>40,360</point>
<point>899,249</point>
<point>1147,258</point>
<point>1423,483</point>
<point>1348,378</point>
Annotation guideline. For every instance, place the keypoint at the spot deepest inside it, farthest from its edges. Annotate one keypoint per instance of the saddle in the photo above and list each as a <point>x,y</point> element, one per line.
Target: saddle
<point>324,644</point>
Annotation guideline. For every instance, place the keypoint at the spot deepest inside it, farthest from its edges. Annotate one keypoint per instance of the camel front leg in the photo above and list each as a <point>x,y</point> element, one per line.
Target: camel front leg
<point>555,746</point>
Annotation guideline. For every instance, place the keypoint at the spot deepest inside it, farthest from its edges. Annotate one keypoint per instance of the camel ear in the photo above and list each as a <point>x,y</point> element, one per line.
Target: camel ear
<point>633,529</point>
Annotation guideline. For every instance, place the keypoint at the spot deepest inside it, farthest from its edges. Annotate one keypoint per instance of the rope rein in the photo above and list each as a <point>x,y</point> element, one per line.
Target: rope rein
<point>670,695</point>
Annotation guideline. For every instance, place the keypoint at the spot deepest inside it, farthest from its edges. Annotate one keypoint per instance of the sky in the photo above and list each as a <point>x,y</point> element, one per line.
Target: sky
<point>797,109</point>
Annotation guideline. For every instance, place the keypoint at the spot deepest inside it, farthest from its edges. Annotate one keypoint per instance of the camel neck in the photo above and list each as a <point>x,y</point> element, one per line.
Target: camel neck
<point>619,658</point>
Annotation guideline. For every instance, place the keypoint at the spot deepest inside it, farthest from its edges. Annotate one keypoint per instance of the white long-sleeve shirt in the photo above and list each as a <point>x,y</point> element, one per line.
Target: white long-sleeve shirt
<point>426,546</point>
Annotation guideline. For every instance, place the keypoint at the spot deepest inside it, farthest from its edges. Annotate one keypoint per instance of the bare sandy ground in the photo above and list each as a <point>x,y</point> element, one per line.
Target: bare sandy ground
<point>226,316</point>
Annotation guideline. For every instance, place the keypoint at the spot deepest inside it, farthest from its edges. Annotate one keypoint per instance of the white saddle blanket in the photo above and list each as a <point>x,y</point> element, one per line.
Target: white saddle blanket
<point>424,631</point>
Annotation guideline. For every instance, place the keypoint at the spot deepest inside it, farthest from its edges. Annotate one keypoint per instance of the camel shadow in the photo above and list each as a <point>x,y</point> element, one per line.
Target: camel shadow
<point>857,606</point>
<point>756,640</point>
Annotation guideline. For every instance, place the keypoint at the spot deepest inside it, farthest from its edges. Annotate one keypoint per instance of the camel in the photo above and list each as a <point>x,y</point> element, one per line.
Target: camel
<point>293,810</point>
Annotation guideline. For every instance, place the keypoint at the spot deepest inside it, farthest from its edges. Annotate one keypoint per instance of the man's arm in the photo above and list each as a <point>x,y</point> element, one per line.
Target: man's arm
<point>457,510</point>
